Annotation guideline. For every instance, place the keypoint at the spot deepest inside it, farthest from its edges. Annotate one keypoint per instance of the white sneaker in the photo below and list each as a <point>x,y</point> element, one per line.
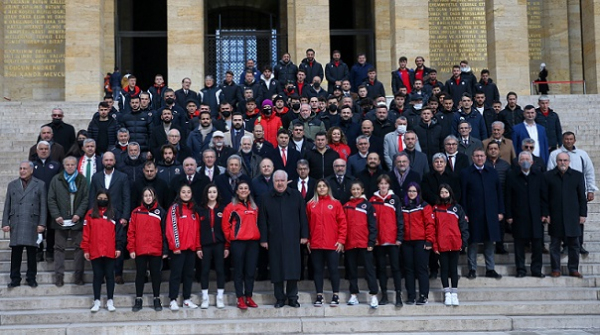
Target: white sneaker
<point>454,298</point>
<point>220,302</point>
<point>374,302</point>
<point>173,305</point>
<point>204,304</point>
<point>96,306</point>
<point>110,305</point>
<point>189,304</point>
<point>448,299</point>
<point>353,300</point>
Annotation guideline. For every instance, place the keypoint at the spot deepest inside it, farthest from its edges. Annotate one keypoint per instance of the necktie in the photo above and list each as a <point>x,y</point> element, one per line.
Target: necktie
<point>466,142</point>
<point>303,191</point>
<point>88,171</point>
<point>283,156</point>
<point>210,174</point>
<point>400,143</point>
<point>451,162</point>
<point>340,179</point>
<point>499,142</point>
<point>190,180</point>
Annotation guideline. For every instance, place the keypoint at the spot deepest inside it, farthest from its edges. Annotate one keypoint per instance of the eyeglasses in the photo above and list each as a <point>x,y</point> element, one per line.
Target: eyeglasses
<point>57,115</point>
<point>338,166</point>
<point>451,144</point>
<point>528,147</point>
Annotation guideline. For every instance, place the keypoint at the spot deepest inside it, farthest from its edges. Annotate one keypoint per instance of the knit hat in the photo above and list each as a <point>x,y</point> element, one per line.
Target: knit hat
<point>267,102</point>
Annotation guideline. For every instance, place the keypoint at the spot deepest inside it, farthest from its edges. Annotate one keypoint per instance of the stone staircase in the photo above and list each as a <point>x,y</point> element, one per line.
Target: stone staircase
<point>487,305</point>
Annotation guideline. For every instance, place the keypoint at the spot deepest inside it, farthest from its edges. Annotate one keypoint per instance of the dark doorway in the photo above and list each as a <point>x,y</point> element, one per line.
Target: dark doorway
<point>141,39</point>
<point>352,30</point>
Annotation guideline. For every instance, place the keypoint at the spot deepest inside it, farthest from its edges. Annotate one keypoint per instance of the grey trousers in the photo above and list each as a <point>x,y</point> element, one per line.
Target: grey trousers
<point>488,253</point>
<point>60,243</point>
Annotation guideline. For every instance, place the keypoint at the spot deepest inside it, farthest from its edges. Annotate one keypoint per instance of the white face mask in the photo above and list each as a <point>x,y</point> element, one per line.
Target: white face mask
<point>418,106</point>
<point>401,129</point>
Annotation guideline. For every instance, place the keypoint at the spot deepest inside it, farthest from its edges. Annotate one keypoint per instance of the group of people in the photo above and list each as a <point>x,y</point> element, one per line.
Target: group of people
<point>209,180</point>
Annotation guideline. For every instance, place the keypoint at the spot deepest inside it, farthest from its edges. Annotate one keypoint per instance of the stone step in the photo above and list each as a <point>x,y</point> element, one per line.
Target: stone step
<point>476,285</point>
<point>436,295</point>
<point>325,314</point>
<point>555,322</point>
<point>294,325</point>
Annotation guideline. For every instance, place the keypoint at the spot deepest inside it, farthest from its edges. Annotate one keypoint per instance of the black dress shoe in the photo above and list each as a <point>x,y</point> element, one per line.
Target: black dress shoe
<point>32,283</point>
<point>501,251</point>
<point>13,284</point>
<point>472,274</point>
<point>384,299</point>
<point>582,251</point>
<point>39,257</point>
<point>433,275</point>
<point>279,303</point>
<point>294,303</point>
<point>520,275</point>
<point>539,275</point>
<point>493,274</point>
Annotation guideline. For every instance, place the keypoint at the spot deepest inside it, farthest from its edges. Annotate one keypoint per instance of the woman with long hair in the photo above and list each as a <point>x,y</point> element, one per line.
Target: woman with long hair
<point>182,230</point>
<point>145,243</point>
<point>212,240</point>
<point>360,241</point>
<point>101,243</point>
<point>336,139</point>
<point>419,237</point>
<point>327,228</point>
<point>240,227</point>
<point>452,234</point>
<point>390,233</point>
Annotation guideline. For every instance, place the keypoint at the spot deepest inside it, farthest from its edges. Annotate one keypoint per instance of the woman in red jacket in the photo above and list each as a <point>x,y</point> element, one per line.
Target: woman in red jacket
<point>452,234</point>
<point>240,227</point>
<point>182,230</point>
<point>213,243</point>
<point>419,236</point>
<point>146,245</point>
<point>390,232</point>
<point>327,230</point>
<point>337,141</point>
<point>101,243</point>
<point>360,240</point>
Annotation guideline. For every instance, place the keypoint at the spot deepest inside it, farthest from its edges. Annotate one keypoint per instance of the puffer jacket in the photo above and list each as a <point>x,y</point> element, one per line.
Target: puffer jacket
<point>240,222</point>
<point>145,235</point>
<point>418,223</point>
<point>139,124</point>
<point>326,223</point>
<point>451,228</point>
<point>182,230</point>
<point>390,222</point>
<point>101,236</point>
<point>362,225</point>
<point>285,71</point>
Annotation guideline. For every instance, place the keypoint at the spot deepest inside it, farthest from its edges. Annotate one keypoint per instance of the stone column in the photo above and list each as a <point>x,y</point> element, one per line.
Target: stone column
<point>109,36</point>
<point>508,45</point>
<point>575,48</point>
<point>409,34</point>
<point>308,27</point>
<point>84,50</point>
<point>185,25</point>
<point>556,44</point>
<point>384,52</point>
<point>590,19</point>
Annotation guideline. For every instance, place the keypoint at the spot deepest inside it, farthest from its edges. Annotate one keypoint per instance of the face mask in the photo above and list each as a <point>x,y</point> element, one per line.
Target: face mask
<point>333,108</point>
<point>219,144</point>
<point>317,85</point>
<point>267,111</point>
<point>80,144</point>
<point>401,129</point>
<point>226,113</point>
<point>296,107</point>
<point>169,101</point>
<point>56,121</point>
<point>525,165</point>
<point>102,203</point>
<point>418,106</point>
<point>446,200</point>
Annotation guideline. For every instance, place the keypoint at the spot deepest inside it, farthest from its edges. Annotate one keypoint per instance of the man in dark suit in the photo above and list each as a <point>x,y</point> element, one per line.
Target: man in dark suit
<point>283,156</point>
<point>209,167</point>
<point>526,204</point>
<point>567,205</point>
<point>301,143</point>
<point>375,143</point>
<point>24,216</point>
<point>262,183</point>
<point>467,143</point>
<point>197,181</point>
<point>369,175</point>
<point>119,190</point>
<point>340,183</point>
<point>418,160</point>
<point>57,152</point>
<point>456,161</point>
<point>304,183</point>
<point>402,175</point>
<point>184,93</point>
<point>159,134</point>
<point>228,181</point>
<point>528,144</point>
<point>484,207</point>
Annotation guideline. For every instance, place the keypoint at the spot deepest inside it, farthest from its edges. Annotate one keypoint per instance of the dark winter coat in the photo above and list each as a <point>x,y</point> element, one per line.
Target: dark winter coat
<point>24,211</point>
<point>526,203</point>
<point>566,202</point>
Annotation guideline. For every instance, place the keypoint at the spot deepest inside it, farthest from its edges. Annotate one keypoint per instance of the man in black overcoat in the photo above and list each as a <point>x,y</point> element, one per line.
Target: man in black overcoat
<point>283,228</point>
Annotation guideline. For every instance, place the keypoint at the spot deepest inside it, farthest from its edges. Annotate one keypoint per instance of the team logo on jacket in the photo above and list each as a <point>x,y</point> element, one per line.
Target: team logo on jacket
<point>51,166</point>
<point>149,114</point>
<point>392,201</point>
<point>193,216</point>
<point>156,211</point>
<point>364,206</point>
<point>330,206</point>
<point>454,209</point>
<point>219,214</point>
<point>177,171</point>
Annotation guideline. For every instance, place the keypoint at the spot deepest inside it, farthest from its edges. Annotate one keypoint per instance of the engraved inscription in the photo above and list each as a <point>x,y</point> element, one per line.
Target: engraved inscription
<point>457,31</point>
<point>534,30</point>
<point>34,38</point>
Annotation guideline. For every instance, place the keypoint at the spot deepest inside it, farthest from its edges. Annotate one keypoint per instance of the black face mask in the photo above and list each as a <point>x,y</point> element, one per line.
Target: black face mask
<point>226,114</point>
<point>446,200</point>
<point>296,107</point>
<point>102,203</point>
<point>267,111</point>
<point>80,144</point>
<point>317,85</point>
<point>169,101</point>
<point>333,108</point>
<point>289,88</point>
<point>56,121</point>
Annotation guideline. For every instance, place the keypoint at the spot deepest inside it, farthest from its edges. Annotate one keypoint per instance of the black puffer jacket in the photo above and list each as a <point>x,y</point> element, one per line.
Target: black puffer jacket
<point>139,124</point>
<point>94,129</point>
<point>285,71</point>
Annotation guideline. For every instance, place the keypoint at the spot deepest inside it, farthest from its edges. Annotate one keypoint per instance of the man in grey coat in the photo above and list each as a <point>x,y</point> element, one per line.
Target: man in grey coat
<point>67,203</point>
<point>24,216</point>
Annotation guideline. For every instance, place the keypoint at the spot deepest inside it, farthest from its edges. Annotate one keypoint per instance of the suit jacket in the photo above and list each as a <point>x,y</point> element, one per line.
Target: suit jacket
<point>390,148</point>
<point>356,164</point>
<point>400,189</point>
<point>520,133</point>
<point>468,149</point>
<point>507,150</point>
<point>199,182</point>
<point>217,170</point>
<point>418,163</point>
<point>307,144</point>
<point>461,161</point>
<point>119,191</point>
<point>181,98</point>
<point>229,138</point>
<point>24,211</point>
<point>340,191</point>
<point>158,138</point>
<point>225,190</point>
<point>310,187</point>
<point>293,157</point>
